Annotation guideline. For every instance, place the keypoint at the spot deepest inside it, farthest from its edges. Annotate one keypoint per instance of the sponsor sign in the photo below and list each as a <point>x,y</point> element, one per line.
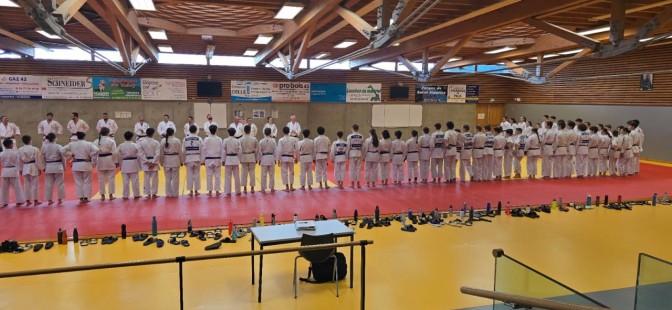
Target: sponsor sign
<point>164,89</point>
<point>363,92</point>
<point>14,86</point>
<point>431,93</point>
<point>328,92</point>
<point>67,87</point>
<point>251,91</point>
<point>121,88</point>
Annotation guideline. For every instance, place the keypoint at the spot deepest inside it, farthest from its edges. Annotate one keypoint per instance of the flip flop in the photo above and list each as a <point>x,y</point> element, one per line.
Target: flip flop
<point>38,247</point>
<point>213,246</point>
<point>159,243</point>
<point>109,239</point>
<point>149,241</point>
<point>228,240</point>
<point>408,228</point>
<point>173,235</point>
<point>185,243</point>
<point>181,235</point>
<point>93,241</point>
<point>210,235</point>
<point>48,245</point>
<point>173,241</point>
<point>83,243</point>
<point>217,236</point>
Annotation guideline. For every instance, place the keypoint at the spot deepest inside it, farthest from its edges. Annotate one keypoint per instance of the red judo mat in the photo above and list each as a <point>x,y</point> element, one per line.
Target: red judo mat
<point>102,218</point>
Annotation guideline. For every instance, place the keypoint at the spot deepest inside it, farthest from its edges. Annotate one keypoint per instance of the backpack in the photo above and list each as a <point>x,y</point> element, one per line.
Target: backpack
<point>324,272</point>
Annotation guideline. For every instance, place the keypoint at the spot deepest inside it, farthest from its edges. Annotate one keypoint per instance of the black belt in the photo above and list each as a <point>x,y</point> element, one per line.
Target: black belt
<point>77,160</point>
<point>170,154</point>
<point>105,155</point>
<point>562,146</point>
<point>54,161</point>
<point>267,154</point>
<point>150,157</point>
<point>213,158</point>
<point>10,167</point>
<point>130,158</point>
<point>425,147</point>
<point>478,148</point>
<point>324,152</point>
<point>452,145</point>
<point>411,152</point>
<point>340,153</point>
<point>232,154</point>
<point>398,153</point>
<point>594,148</point>
<point>438,145</point>
<point>549,143</point>
<point>635,145</point>
<point>248,152</point>
<point>627,149</point>
<point>488,147</point>
<point>536,148</point>
<point>382,152</point>
<point>30,162</point>
<point>192,148</point>
<point>74,134</point>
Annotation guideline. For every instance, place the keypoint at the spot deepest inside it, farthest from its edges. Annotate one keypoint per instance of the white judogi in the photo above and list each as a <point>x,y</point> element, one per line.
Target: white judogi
<point>8,132</point>
<point>232,152</point>
<point>570,159</point>
<point>171,157</point>
<point>582,149</point>
<point>106,164</point>
<point>74,128</point>
<point>339,157</point>
<point>636,136</point>
<point>479,145</point>
<point>498,147</point>
<point>294,129</point>
<point>322,145</point>
<point>82,153</point>
<point>603,153</point>
<point>437,146</point>
<point>398,150</point>
<point>385,158</point>
<point>561,153</point>
<point>626,155</point>
<point>306,156</point>
<point>212,157</point>
<point>191,147</point>
<point>450,138</point>
<point>533,149</point>
<point>548,138</point>
<point>488,157</point>
<point>206,127</point>
<point>239,129</point>
<point>10,161</point>
<point>354,153</point>
<point>131,157</point>
<point>53,171</point>
<point>248,159</point>
<point>519,147</point>
<point>615,155</point>
<point>186,128</point>
<point>593,153</point>
<point>266,158</point>
<point>286,153</point>
<point>508,156</point>
<point>45,127</point>
<point>163,126</point>
<point>425,153</point>
<point>466,141</point>
<point>274,129</point>
<point>32,164</point>
<point>371,160</point>
<point>140,129</point>
<point>253,130</point>
<point>109,123</point>
<point>150,166</point>
<point>412,158</point>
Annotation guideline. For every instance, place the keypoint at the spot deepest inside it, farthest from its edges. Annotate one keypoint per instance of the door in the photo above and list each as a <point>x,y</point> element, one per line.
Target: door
<point>489,113</point>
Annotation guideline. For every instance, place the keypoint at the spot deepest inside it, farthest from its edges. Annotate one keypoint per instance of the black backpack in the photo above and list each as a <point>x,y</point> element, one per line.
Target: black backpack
<point>324,272</point>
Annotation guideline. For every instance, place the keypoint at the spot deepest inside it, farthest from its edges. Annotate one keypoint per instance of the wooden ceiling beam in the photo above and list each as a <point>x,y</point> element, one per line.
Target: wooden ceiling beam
<point>617,23</point>
<point>17,47</point>
<point>568,63</point>
<point>159,23</point>
<point>385,13</point>
<point>408,64</point>
<point>635,9</point>
<point>301,52</point>
<point>492,17</point>
<point>453,51</point>
<point>95,30</point>
<point>340,25</point>
<point>122,15</point>
<point>409,6</point>
<point>21,39</point>
<point>314,12</point>
<point>67,10</point>
<point>563,33</point>
<point>362,26</point>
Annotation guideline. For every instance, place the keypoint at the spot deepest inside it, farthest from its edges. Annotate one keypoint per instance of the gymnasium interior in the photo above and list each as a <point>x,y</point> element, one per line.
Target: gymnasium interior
<point>570,242</point>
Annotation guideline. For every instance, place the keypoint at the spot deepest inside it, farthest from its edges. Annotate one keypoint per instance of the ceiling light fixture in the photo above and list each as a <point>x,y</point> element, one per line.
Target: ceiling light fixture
<point>455,59</point>
<point>263,39</point>
<point>143,5</point>
<point>570,52</point>
<point>321,55</point>
<point>165,48</point>
<point>157,34</point>
<point>550,55</point>
<point>346,43</point>
<point>251,52</point>
<point>2,51</point>
<point>501,50</point>
<point>594,31</point>
<point>8,3</point>
<point>289,10</point>
<point>46,34</point>
<point>517,61</point>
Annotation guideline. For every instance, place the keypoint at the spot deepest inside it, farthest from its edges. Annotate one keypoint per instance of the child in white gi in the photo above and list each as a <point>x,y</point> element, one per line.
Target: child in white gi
<point>212,157</point>
<point>371,150</point>
<point>322,145</point>
<point>339,157</point>
<point>191,148</point>
<point>306,157</point>
<point>171,159</point>
<point>150,167</point>
<point>385,157</point>
<point>425,152</point>
<point>10,160</point>
<point>33,163</point>
<point>231,150</point>
<point>248,159</point>
<point>533,150</point>
<point>412,157</point>
<point>131,157</point>
<point>266,159</point>
<point>286,156</point>
<point>106,162</point>
<point>354,154</point>
<point>436,153</point>
<point>53,168</point>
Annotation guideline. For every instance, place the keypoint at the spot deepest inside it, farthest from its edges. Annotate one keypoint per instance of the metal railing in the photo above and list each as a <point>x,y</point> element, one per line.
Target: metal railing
<point>182,259</point>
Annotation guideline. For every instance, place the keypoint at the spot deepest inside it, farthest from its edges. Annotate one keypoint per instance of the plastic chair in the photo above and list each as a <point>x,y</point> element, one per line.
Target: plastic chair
<point>317,256</point>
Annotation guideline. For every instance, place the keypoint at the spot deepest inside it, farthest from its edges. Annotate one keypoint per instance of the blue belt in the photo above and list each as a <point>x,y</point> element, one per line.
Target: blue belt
<point>287,155</point>
<point>425,147</point>
<point>10,167</point>
<point>130,158</point>
<point>398,153</point>
<point>384,152</point>
<point>170,154</point>
<point>192,148</point>
<point>411,152</point>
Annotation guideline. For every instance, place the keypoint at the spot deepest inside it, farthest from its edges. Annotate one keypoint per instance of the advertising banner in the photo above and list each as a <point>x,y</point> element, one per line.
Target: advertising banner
<point>328,92</point>
<point>117,88</point>
<point>457,93</point>
<point>67,87</point>
<point>290,92</point>
<point>363,92</point>
<point>251,91</point>
<point>14,86</point>
<point>431,93</point>
<point>472,93</point>
<point>164,89</point>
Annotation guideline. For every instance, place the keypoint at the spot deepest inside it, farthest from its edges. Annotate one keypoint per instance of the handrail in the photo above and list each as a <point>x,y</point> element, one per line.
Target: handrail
<point>14,274</point>
<point>524,301</point>
<point>656,258</point>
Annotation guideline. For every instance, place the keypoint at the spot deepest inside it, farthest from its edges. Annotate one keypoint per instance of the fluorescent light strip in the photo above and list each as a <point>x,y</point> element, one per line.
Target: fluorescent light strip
<point>517,61</point>
<point>321,55</point>
<point>8,3</point>
<point>165,48</point>
<point>143,5</point>
<point>157,34</point>
<point>501,50</point>
<point>2,51</point>
<point>455,59</point>
<point>251,52</point>
<point>46,34</point>
<point>570,52</point>
<point>594,31</point>
<point>263,39</point>
<point>550,55</point>
<point>289,10</point>
<point>346,43</point>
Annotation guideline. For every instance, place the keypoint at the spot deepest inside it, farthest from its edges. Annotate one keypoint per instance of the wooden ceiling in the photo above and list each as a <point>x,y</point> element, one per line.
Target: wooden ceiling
<point>241,21</point>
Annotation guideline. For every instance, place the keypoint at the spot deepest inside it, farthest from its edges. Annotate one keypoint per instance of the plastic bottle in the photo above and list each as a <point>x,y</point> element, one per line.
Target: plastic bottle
<point>597,201</point>
<point>230,227</point>
<point>654,201</point>
<point>234,234</point>
<point>528,209</point>
<point>559,202</point>
<point>333,213</point>
<point>272,218</point>
<point>462,215</point>
<point>356,215</point>
<point>589,200</point>
<point>403,218</point>
<point>619,199</point>
<point>155,226</point>
<point>410,213</point>
<point>261,220</point>
<point>296,217</point>
<point>59,236</point>
<point>254,222</point>
<point>487,207</point>
<point>450,210</point>
<point>75,235</point>
<point>377,214</point>
<point>508,208</point>
<point>189,227</point>
<point>123,231</point>
<point>499,208</point>
<point>554,204</point>
<point>64,236</point>
<point>606,200</point>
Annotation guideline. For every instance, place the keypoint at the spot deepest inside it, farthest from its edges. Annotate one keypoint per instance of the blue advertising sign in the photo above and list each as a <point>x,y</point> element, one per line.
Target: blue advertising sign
<point>327,92</point>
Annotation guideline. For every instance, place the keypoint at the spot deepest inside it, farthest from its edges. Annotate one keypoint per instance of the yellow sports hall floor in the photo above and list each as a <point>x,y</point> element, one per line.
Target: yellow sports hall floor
<point>593,250</point>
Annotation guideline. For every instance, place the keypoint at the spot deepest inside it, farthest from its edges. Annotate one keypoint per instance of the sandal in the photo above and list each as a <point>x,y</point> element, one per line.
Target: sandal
<point>181,235</point>
<point>83,243</point>
<point>210,235</point>
<point>213,246</point>
<point>149,241</point>
<point>38,247</point>
<point>228,240</point>
<point>173,241</point>
<point>93,241</point>
<point>408,228</point>
<point>185,243</point>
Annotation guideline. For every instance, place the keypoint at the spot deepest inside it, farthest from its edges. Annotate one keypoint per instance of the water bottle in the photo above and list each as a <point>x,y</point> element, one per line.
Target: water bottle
<point>559,202</point>
<point>75,235</point>
<point>272,218</point>
<point>234,234</point>
<point>508,208</point>
<point>655,199</point>
<point>665,197</point>
<point>471,213</point>
<point>261,220</point>
<point>123,231</point>
<point>230,228</point>
<point>333,213</point>
<point>403,218</point>
<point>410,213</point>
<point>356,215</point>
<point>597,201</point>
<point>588,200</point>
<point>155,228</point>
<point>487,208</point>
<point>499,208</point>
<point>189,227</point>
<point>254,222</point>
<point>464,207</point>
<point>296,217</point>
<point>618,199</point>
<point>377,214</point>
<point>59,236</point>
<point>450,210</point>
<point>606,200</point>
<point>554,204</point>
